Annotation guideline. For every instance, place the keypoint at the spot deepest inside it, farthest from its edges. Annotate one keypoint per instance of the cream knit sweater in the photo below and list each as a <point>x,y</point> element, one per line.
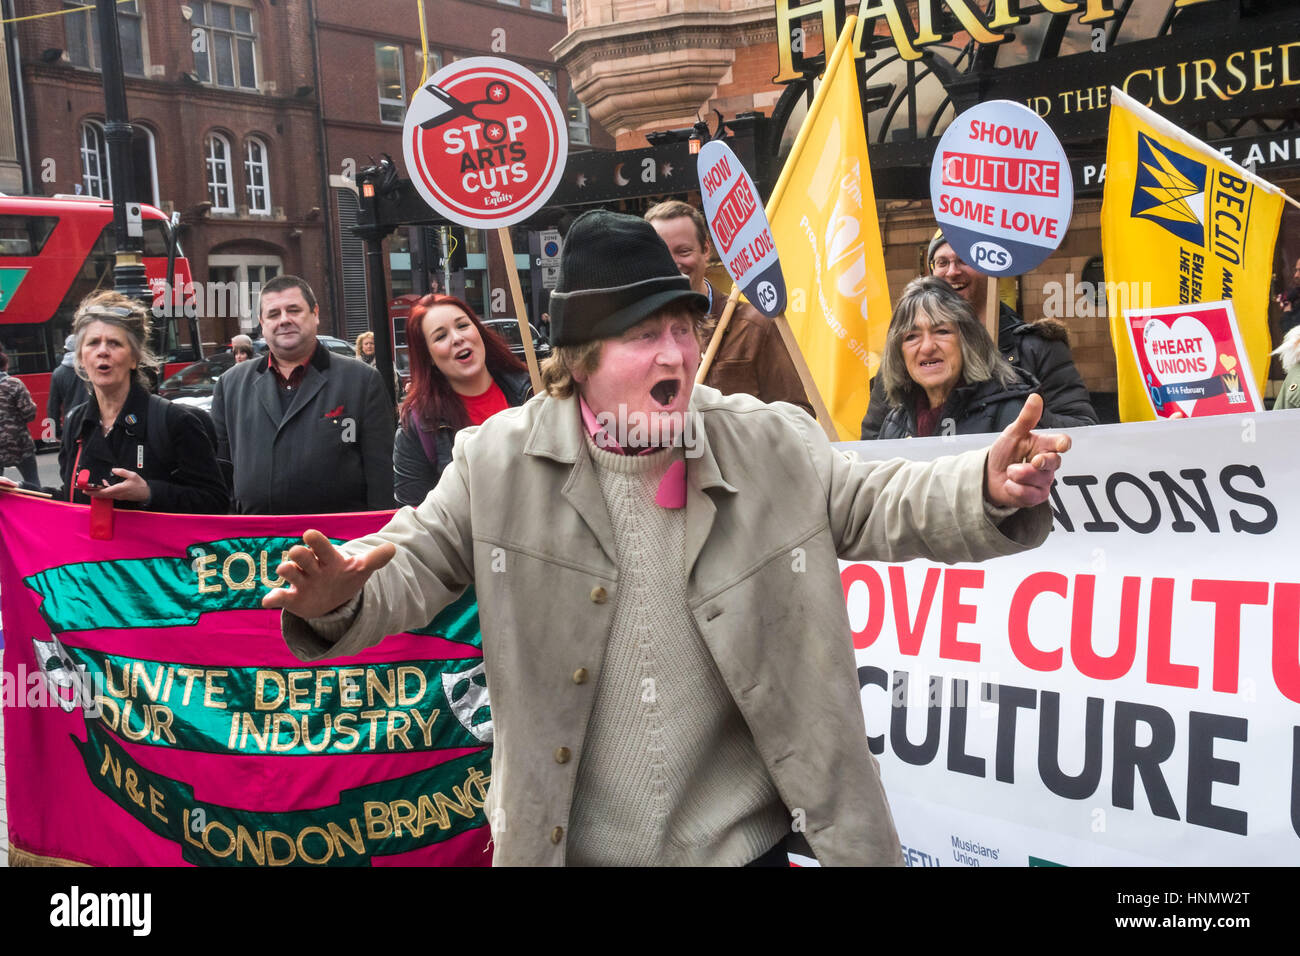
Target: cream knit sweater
<point>670,774</point>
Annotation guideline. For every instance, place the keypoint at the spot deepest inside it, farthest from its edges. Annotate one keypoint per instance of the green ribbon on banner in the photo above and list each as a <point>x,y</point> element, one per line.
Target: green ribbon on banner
<point>227,575</point>
<point>379,819</point>
<point>392,707</point>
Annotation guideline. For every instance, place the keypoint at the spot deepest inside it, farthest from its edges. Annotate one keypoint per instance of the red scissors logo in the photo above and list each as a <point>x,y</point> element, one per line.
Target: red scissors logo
<point>444,106</point>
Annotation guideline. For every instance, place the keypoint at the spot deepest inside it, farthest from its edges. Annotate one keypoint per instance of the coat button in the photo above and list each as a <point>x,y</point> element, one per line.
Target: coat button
<point>562,754</point>
<point>580,675</point>
<point>598,595</point>
<point>557,835</point>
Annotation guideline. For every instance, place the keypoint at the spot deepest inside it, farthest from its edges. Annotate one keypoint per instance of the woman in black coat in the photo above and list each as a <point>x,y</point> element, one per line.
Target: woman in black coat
<point>461,374</point>
<point>942,373</point>
<point>124,444</point>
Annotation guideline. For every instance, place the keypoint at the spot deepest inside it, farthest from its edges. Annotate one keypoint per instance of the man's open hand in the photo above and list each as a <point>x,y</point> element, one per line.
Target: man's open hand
<point>1021,465</point>
<point>321,578</point>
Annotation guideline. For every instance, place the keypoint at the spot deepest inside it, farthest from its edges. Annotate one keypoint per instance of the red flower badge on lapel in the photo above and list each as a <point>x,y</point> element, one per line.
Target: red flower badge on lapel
<point>335,413</point>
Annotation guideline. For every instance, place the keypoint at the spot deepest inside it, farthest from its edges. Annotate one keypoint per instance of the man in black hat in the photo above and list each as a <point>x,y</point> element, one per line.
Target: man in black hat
<point>664,631</point>
<point>1042,348</point>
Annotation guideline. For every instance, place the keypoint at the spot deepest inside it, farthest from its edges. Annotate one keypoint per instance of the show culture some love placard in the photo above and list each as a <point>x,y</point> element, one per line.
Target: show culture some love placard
<point>1192,360</point>
<point>1001,188</point>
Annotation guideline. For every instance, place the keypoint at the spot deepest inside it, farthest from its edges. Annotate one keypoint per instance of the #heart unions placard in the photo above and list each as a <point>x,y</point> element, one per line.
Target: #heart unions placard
<point>1192,360</point>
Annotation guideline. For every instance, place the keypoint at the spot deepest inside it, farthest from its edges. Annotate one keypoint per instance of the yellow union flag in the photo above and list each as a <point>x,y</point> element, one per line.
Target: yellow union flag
<point>823,217</point>
<point>1180,224</point>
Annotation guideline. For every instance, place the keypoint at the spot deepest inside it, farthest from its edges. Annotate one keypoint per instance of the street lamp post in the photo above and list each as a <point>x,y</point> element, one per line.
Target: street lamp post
<point>128,271</point>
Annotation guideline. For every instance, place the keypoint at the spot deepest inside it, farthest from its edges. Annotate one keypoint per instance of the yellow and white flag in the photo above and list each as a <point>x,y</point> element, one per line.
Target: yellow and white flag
<point>1181,224</point>
<point>823,216</point>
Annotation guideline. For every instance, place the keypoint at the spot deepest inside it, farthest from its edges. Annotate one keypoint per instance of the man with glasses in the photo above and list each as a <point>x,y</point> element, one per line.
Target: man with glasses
<point>1041,348</point>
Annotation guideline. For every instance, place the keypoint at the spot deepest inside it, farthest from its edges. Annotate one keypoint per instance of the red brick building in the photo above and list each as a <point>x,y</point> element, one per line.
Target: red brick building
<point>222,96</point>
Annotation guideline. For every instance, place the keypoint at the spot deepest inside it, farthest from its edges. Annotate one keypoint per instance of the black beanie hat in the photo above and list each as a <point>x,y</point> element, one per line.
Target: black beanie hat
<point>935,243</point>
<point>614,272</point>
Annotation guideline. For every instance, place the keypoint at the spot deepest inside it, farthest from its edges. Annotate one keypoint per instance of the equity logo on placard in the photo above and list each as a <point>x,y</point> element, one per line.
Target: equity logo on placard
<point>1170,190</point>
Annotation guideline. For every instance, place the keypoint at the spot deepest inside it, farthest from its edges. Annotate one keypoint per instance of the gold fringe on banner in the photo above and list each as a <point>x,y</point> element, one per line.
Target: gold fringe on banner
<point>20,857</point>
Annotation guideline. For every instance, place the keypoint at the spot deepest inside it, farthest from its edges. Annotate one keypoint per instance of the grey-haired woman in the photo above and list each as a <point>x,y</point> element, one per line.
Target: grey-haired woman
<point>942,373</point>
<point>124,444</point>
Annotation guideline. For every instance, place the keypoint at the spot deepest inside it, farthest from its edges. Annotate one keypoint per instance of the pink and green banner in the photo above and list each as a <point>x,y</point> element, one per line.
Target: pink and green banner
<point>153,715</point>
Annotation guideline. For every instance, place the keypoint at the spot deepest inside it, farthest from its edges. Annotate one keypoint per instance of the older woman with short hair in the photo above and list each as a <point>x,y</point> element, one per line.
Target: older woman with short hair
<point>365,347</point>
<point>124,444</point>
<point>242,348</point>
<point>943,374</point>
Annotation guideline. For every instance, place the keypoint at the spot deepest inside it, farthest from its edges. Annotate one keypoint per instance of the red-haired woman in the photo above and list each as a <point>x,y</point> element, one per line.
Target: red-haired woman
<point>461,374</point>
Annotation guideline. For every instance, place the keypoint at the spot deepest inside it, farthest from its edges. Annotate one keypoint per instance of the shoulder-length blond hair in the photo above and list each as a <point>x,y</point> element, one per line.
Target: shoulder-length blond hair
<point>935,301</point>
<point>126,314</point>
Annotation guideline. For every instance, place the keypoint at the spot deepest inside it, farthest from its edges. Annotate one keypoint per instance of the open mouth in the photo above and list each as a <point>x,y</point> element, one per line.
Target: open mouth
<point>665,392</point>
<point>464,355</point>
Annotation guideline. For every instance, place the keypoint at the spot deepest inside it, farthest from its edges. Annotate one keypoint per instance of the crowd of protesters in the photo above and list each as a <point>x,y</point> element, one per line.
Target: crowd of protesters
<point>624,570</point>
<point>940,373</point>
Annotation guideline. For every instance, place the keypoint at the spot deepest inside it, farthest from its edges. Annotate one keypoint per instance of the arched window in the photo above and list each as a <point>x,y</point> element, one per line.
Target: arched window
<point>220,191</point>
<point>144,162</point>
<point>94,161</point>
<point>257,177</point>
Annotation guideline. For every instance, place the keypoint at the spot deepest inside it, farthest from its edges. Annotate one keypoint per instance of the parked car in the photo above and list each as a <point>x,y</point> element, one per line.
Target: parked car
<point>193,384</point>
<point>508,329</point>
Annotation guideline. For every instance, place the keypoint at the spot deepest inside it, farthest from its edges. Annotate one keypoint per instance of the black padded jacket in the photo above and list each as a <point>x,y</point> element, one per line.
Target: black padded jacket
<point>971,410</point>
<point>414,473</point>
<point>1042,349</point>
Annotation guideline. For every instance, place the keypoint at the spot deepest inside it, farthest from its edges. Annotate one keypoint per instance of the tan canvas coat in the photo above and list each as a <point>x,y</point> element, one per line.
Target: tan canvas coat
<point>770,507</point>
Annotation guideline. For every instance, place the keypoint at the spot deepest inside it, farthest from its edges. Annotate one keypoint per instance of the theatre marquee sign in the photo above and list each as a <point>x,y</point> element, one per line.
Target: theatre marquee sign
<point>1218,68</point>
<point>912,37</point>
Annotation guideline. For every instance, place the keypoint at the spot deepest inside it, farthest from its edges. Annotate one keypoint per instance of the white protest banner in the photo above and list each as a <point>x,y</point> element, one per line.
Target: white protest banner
<point>1001,188</point>
<point>1192,360</point>
<point>1129,693</point>
<point>485,142</point>
<point>739,228</point>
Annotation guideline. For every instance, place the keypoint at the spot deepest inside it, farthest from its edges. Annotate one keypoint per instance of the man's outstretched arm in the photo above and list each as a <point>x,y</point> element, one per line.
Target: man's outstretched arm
<point>321,578</point>
<point>967,507</point>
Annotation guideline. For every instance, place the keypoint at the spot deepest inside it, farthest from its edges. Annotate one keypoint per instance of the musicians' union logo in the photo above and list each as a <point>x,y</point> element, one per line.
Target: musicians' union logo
<point>1170,190</point>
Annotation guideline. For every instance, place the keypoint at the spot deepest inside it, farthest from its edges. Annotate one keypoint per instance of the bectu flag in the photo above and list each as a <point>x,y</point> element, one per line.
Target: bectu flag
<point>1181,224</point>
<point>823,216</point>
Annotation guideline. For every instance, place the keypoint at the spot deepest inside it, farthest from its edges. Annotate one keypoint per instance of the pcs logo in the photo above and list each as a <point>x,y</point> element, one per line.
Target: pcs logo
<point>1169,190</point>
<point>990,257</point>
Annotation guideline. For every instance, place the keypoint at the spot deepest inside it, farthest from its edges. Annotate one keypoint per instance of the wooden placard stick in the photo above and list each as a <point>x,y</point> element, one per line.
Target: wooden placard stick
<point>718,331</point>
<point>525,333</point>
<point>791,346</point>
<point>805,376</point>
<point>24,491</point>
<point>992,309</point>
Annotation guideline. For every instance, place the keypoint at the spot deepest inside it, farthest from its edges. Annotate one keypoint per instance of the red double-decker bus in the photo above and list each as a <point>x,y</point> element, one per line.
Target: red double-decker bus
<point>53,253</point>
